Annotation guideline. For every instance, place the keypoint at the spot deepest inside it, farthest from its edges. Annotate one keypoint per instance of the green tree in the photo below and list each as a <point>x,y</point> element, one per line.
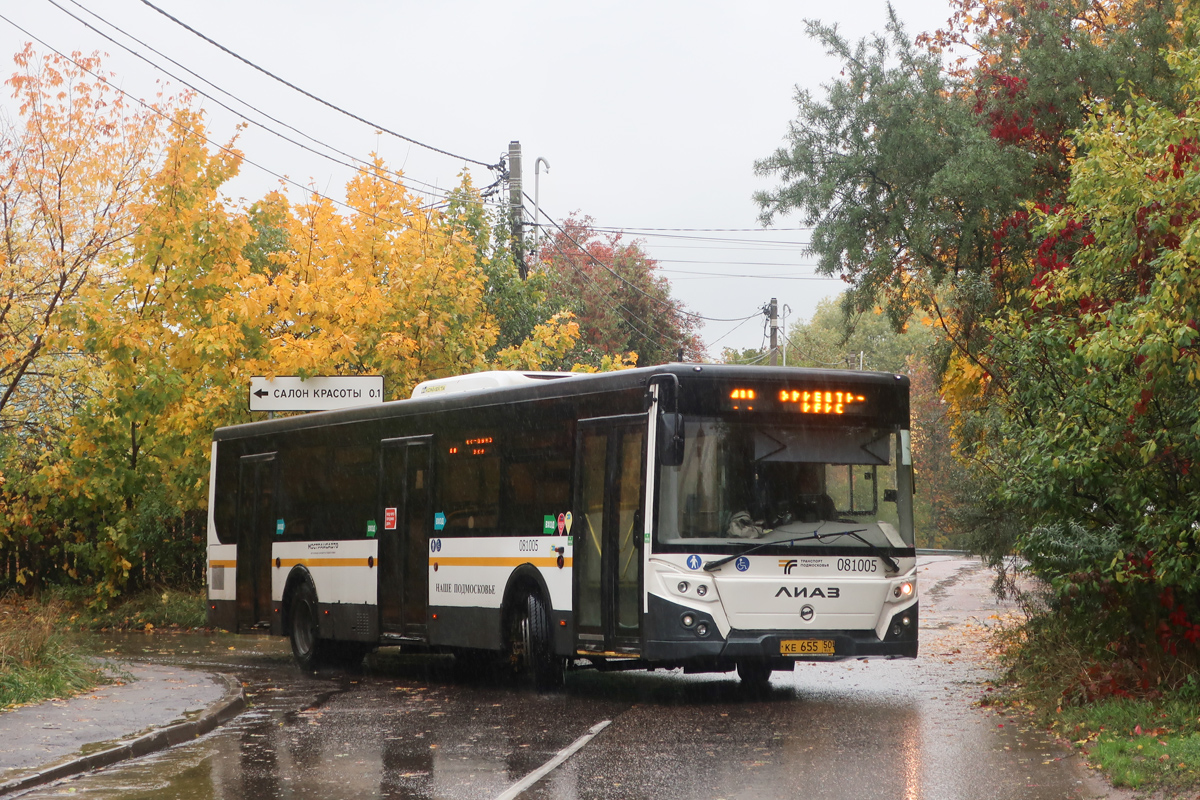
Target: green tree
<point>515,305</point>
<point>1106,367</point>
<point>838,338</point>
<point>916,176</point>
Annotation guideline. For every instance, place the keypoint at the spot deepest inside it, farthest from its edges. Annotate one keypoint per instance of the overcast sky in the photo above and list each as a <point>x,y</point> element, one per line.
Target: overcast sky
<point>650,114</point>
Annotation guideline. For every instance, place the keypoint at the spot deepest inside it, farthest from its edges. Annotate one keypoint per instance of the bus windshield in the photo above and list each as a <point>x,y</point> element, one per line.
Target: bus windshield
<point>758,482</point>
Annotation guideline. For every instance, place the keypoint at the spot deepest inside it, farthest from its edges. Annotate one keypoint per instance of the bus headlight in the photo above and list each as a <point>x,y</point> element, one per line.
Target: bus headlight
<point>902,590</point>
<point>687,620</point>
<point>701,590</point>
<point>683,587</point>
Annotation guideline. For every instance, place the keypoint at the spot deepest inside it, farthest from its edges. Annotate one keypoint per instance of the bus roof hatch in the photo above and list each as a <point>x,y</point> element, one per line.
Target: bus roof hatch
<point>484,380</point>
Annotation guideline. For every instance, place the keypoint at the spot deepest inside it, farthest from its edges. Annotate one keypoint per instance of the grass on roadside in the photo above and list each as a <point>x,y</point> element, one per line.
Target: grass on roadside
<point>1138,744</point>
<point>1146,741</point>
<point>35,661</point>
<point>148,610</point>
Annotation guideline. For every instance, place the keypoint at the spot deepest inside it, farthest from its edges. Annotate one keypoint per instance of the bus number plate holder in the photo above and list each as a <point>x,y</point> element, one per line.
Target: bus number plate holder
<point>800,647</point>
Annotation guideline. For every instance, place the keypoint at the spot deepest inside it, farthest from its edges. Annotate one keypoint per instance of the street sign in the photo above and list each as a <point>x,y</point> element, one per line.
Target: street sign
<point>315,394</point>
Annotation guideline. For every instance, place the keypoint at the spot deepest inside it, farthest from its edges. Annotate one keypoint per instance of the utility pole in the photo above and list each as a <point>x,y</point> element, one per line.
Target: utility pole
<point>786,310</point>
<point>516,207</point>
<point>537,193</point>
<point>773,313</point>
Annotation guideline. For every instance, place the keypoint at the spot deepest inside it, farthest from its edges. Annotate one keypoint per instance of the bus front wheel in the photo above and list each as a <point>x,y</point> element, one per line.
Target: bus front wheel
<point>530,648</point>
<point>755,675</point>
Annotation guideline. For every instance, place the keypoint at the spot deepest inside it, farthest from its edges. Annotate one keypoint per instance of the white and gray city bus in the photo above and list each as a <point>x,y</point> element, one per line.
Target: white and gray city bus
<point>709,517</point>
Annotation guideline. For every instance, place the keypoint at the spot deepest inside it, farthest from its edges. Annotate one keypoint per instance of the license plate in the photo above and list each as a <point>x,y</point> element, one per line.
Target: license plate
<point>799,647</point>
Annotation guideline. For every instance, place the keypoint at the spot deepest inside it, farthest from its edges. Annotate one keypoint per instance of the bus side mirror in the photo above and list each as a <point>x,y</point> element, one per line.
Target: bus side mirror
<point>670,439</point>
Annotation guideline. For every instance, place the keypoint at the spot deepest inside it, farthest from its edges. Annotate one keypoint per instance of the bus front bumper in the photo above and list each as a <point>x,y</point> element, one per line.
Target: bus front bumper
<point>666,642</point>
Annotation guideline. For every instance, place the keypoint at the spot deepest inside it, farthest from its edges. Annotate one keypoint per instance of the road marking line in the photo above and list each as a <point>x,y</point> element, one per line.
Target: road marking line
<point>563,755</point>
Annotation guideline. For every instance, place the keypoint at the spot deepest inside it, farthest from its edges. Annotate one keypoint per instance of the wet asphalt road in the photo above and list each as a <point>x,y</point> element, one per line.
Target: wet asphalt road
<point>409,727</point>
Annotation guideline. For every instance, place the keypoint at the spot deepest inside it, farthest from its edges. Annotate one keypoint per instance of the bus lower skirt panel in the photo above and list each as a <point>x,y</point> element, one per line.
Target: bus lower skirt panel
<point>455,626</point>
<point>222,614</point>
<point>348,622</point>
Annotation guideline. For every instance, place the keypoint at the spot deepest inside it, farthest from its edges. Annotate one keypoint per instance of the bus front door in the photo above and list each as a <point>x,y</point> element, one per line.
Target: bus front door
<point>404,536</point>
<point>609,498</point>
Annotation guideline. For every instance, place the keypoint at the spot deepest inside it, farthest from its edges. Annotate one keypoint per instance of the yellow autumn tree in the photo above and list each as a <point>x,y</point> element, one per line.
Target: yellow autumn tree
<point>71,167</point>
<point>73,161</point>
<point>381,286</point>
<point>161,349</point>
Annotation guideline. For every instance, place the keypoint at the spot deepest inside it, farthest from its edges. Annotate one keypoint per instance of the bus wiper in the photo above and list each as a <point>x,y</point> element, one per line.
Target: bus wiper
<point>814,536</point>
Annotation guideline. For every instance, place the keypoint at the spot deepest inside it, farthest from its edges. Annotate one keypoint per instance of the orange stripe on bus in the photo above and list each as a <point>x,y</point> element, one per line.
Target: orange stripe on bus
<point>447,562</point>
<point>498,562</point>
<point>323,562</point>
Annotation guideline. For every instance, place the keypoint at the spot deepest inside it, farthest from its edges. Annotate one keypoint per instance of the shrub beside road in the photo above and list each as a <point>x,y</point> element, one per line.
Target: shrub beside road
<point>36,660</point>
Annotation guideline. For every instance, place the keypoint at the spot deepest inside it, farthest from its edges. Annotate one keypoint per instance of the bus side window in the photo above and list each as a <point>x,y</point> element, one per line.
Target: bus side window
<point>533,490</point>
<point>469,483</point>
<point>328,490</point>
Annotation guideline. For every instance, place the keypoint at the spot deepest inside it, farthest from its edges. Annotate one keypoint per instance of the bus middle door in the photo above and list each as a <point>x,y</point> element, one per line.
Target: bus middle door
<point>404,536</point>
<point>610,496</point>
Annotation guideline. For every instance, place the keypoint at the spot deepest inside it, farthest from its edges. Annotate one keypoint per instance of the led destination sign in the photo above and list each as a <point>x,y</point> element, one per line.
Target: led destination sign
<point>802,401</point>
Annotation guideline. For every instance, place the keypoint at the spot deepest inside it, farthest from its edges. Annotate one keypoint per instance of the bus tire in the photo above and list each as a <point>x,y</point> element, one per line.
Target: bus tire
<point>304,632</point>
<point>755,675</point>
<point>530,646</point>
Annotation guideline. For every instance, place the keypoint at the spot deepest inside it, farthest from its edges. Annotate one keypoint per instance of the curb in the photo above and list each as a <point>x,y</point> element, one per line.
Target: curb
<point>225,709</point>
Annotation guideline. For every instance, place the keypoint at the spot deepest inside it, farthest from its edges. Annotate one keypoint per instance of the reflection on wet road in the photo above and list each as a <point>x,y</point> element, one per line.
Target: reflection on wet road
<point>411,728</point>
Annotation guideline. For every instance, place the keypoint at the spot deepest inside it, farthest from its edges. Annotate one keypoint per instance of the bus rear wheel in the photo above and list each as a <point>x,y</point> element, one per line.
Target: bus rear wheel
<point>530,649</point>
<point>307,646</point>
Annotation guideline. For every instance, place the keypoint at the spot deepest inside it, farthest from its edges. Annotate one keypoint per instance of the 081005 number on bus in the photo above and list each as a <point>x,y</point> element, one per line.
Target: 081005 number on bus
<point>857,565</point>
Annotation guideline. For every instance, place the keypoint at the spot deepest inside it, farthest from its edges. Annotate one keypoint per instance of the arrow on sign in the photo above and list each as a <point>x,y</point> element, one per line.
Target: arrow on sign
<point>261,393</point>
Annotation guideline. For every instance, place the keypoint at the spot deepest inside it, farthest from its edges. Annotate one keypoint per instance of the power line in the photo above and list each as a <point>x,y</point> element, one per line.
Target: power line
<point>730,331</point>
<point>701,276</point>
<point>629,283</point>
<point>629,314</point>
<point>731,263</point>
<point>282,178</point>
<point>439,193</point>
<point>716,230</point>
<point>312,96</point>
<point>714,245</point>
<point>728,239</point>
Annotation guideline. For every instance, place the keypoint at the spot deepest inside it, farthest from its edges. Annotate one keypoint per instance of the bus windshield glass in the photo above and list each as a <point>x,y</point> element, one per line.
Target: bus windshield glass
<point>758,482</point>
